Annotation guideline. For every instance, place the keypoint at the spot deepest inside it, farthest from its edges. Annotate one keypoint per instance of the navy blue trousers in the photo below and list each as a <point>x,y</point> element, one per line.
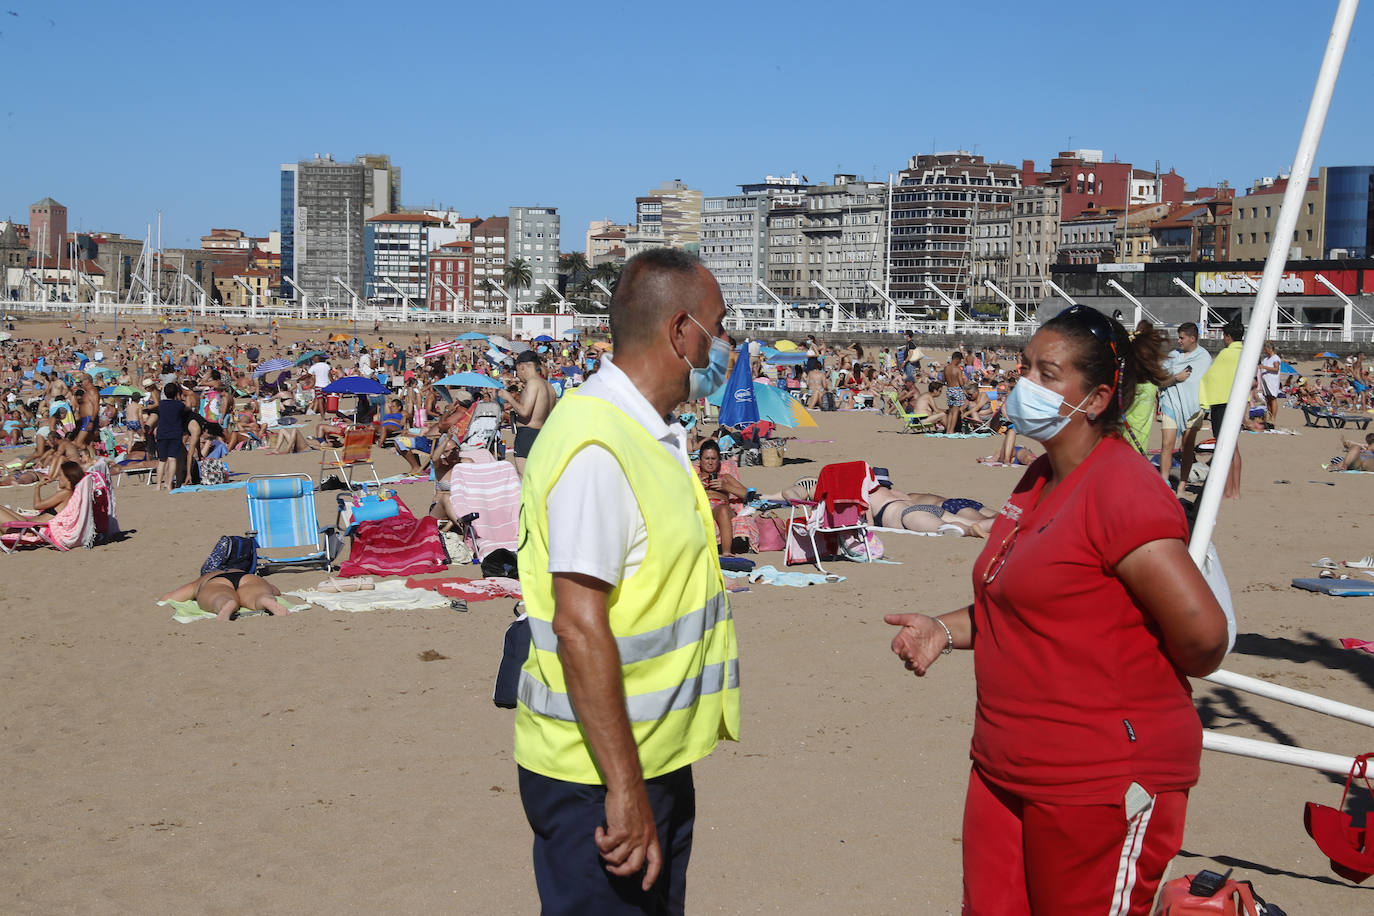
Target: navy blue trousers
<point>568,868</point>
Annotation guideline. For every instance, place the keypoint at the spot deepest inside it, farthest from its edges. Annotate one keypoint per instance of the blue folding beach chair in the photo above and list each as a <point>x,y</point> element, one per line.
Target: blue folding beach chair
<point>281,513</point>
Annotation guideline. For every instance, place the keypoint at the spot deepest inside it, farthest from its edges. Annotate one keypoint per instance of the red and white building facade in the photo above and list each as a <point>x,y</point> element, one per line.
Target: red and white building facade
<point>451,263</point>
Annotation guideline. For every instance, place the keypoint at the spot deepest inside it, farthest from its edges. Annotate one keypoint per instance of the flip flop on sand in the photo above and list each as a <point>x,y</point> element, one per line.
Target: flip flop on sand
<point>1366,563</point>
<point>1324,563</point>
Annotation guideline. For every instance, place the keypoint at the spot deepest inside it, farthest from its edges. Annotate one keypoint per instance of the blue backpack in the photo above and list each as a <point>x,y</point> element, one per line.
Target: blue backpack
<point>232,552</point>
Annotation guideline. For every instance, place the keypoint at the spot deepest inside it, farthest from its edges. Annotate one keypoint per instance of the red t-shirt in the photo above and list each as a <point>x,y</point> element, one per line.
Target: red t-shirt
<point>1076,696</point>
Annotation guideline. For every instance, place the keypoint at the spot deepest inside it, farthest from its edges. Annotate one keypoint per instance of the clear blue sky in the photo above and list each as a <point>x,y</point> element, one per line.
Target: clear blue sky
<point>121,109</point>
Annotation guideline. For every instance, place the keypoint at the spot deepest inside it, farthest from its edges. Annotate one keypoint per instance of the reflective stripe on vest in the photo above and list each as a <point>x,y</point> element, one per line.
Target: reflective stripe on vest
<point>684,631</point>
<point>642,707</point>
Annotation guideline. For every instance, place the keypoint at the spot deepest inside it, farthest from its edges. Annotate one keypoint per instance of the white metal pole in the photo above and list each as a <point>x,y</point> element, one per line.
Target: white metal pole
<point>1276,753</point>
<point>1293,697</point>
<point>1348,319</point>
<point>891,305</point>
<point>887,252</point>
<point>777,304</point>
<point>834,304</point>
<point>1139,309</point>
<point>1204,307</point>
<point>561,301</point>
<point>405,300</point>
<point>1011,306</point>
<point>952,304</point>
<point>1059,292</point>
<point>448,289</point>
<point>353,297</point>
<point>1267,300</point>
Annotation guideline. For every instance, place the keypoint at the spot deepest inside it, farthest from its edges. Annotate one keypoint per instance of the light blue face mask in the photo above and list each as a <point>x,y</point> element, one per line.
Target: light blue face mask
<point>705,381</point>
<point>1034,410</point>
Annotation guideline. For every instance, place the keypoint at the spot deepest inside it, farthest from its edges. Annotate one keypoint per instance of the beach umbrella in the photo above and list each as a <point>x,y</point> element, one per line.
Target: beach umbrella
<point>471,335</point>
<point>338,338</point>
<point>571,334</point>
<point>496,340</point>
<point>1285,369</point>
<point>186,330</point>
<point>279,364</point>
<point>355,384</point>
<point>570,371</point>
<point>118,391</point>
<point>439,349</point>
<point>518,346</point>
<point>1326,354</point>
<point>774,405</point>
<point>787,359</point>
<point>785,345</point>
<point>544,338</point>
<point>166,331</point>
<point>469,380</point>
<point>307,357</point>
<point>5,336</point>
<point>737,404</point>
<point>203,349</point>
<point>96,371</point>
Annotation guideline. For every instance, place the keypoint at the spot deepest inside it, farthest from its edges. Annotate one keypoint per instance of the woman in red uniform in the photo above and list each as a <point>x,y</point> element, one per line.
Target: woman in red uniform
<point>1088,614</point>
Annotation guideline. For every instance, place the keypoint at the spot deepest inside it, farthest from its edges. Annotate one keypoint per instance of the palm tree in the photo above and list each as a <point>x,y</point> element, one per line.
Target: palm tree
<point>518,275</point>
<point>546,301</point>
<point>572,271</point>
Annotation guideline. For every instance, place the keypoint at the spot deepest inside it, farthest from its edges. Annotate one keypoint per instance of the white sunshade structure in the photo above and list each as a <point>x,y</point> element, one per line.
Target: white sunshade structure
<point>1266,304</point>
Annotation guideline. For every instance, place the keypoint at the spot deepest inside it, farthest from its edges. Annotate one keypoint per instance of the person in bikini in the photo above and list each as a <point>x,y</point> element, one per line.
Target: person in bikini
<point>224,591</point>
<point>45,507</point>
<point>929,512</point>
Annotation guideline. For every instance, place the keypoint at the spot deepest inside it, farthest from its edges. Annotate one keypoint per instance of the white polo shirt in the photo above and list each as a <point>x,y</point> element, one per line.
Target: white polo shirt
<point>595,524</point>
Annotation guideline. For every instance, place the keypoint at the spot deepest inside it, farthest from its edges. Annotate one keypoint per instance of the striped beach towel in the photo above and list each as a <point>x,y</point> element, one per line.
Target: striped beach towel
<point>493,492</point>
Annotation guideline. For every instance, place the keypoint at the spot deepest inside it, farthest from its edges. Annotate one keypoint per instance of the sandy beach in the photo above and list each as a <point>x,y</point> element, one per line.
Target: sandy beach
<point>318,762</point>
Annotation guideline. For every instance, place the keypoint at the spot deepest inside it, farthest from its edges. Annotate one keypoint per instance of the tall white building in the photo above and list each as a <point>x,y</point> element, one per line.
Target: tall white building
<point>534,237</point>
<point>734,237</point>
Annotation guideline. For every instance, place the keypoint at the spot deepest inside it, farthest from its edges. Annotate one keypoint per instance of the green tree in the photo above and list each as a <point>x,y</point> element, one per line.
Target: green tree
<point>573,272</point>
<point>518,275</point>
<point>547,302</point>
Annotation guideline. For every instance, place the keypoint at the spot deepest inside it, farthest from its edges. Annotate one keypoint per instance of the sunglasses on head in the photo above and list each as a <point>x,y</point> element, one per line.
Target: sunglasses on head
<point>1101,327</point>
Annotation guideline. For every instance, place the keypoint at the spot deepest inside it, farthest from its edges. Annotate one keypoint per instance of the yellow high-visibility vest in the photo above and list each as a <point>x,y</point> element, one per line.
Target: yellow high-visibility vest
<point>679,661</point>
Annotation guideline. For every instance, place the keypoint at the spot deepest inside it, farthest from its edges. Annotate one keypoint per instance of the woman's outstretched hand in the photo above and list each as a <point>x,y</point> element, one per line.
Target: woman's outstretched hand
<point>919,641</point>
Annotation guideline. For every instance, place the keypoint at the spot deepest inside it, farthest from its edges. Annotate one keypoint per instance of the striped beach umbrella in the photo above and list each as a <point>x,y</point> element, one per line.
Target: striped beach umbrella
<point>440,349</point>
<point>273,365</point>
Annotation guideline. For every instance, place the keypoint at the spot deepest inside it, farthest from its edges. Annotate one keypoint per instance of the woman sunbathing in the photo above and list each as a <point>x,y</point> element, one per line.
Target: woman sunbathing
<point>929,512</point>
<point>48,506</point>
<point>224,591</point>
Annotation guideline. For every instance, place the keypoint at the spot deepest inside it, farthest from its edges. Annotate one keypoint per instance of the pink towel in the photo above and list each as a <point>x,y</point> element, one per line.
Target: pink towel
<point>493,492</point>
<point>1358,644</point>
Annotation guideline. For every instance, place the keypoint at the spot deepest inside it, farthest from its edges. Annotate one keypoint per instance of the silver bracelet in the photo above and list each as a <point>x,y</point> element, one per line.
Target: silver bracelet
<point>949,647</point>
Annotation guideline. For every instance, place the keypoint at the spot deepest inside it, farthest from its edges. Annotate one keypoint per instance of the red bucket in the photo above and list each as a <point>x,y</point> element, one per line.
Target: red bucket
<point>331,403</point>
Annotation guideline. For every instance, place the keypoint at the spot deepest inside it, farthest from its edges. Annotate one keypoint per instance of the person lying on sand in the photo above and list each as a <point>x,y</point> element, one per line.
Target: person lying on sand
<point>929,512</point>
<point>1357,457</point>
<point>224,591</point>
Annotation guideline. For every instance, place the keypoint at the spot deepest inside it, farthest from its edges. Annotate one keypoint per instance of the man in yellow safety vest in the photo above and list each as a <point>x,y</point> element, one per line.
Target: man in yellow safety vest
<point>633,670</point>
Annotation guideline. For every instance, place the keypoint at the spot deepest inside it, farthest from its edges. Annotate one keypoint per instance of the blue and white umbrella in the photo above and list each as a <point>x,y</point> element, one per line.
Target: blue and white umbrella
<point>273,365</point>
<point>355,384</point>
<point>469,380</point>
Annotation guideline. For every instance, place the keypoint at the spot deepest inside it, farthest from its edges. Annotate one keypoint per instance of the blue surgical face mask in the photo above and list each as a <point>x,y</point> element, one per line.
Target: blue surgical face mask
<point>1034,410</point>
<point>705,381</point>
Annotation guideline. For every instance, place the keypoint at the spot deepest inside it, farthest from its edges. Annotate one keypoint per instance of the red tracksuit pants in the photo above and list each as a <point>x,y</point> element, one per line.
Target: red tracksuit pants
<point>1027,857</point>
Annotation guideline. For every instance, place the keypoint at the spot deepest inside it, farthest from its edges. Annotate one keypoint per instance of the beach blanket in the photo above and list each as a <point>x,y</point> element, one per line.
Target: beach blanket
<point>771,575</point>
<point>392,594</point>
<point>493,492</point>
<point>212,487</point>
<point>190,612</point>
<point>470,589</point>
<point>402,545</point>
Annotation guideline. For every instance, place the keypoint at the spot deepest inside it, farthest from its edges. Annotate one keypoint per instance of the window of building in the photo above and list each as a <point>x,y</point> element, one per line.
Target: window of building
<point>1266,238</point>
<point>1268,212</point>
<point>1309,231</point>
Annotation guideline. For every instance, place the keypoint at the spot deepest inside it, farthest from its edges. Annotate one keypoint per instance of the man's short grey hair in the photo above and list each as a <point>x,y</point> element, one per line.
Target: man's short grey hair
<point>651,287</point>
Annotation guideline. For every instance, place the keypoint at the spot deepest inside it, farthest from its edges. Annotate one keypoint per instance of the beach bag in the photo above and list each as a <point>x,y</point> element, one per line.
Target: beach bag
<point>513,655</point>
<point>232,552</point>
<point>213,471</point>
<point>828,402</point>
<point>750,458</point>
<point>500,563</point>
<point>771,533</point>
<point>1210,894</point>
